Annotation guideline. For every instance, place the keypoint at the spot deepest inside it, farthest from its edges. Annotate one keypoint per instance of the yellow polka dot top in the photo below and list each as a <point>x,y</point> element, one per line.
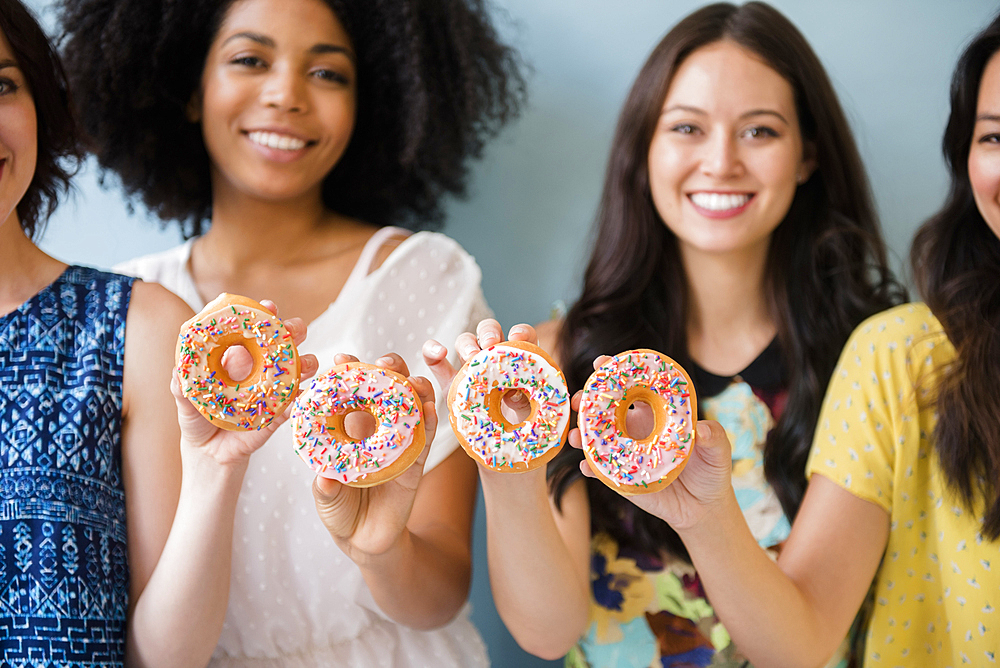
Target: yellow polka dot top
<point>938,587</point>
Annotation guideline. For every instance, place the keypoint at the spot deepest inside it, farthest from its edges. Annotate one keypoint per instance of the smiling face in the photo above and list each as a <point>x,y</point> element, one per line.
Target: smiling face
<point>277,98</point>
<point>727,154</point>
<point>984,153</point>
<point>18,134</point>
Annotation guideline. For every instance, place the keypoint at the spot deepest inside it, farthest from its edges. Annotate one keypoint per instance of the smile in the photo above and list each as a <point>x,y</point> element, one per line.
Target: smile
<point>719,202</point>
<point>276,141</point>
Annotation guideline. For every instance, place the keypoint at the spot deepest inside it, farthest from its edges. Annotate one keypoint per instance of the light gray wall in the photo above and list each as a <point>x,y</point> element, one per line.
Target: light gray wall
<point>539,184</point>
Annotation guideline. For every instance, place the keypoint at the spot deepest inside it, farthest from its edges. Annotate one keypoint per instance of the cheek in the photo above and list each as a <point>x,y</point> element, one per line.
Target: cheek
<point>984,174</point>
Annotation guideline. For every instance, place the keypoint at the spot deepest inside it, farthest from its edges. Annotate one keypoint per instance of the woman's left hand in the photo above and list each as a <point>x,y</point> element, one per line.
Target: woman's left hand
<point>369,521</point>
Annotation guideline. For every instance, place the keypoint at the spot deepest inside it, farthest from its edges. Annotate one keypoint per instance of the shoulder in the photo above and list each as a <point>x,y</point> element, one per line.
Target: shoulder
<point>433,257</point>
<point>155,309</point>
<point>154,266</point>
<point>906,336</point>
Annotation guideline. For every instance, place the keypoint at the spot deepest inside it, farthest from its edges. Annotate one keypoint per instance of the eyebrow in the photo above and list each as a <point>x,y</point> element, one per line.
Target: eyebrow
<point>749,114</point>
<point>988,117</point>
<point>264,40</point>
<point>9,62</point>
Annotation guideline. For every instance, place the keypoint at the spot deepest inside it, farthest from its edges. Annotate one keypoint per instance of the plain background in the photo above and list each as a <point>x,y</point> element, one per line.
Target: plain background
<point>532,198</point>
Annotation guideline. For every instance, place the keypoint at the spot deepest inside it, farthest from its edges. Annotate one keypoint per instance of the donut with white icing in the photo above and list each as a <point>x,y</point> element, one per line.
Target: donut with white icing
<point>481,428</point>
<point>324,444</point>
<point>250,403</point>
<point>625,464</point>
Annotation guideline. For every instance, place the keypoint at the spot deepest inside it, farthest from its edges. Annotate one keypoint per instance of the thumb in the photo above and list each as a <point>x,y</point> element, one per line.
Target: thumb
<point>712,444</point>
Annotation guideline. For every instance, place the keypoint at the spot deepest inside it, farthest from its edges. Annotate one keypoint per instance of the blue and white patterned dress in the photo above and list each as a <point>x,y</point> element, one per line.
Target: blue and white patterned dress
<point>63,561</point>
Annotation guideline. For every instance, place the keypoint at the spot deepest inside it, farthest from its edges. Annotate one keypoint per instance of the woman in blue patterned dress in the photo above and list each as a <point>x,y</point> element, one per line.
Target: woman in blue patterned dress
<point>91,573</point>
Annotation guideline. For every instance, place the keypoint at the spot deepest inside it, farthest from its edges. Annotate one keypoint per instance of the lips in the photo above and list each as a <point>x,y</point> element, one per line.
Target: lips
<point>275,140</point>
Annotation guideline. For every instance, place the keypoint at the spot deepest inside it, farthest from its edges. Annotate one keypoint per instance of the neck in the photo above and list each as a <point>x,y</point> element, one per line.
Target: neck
<point>24,268</point>
<point>246,232</point>
<point>729,318</point>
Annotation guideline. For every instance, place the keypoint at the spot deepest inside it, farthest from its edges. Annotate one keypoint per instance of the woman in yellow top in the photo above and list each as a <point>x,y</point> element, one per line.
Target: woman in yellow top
<point>904,495</point>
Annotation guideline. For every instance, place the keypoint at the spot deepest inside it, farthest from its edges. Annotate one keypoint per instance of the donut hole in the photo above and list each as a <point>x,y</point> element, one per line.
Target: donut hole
<point>510,407</point>
<point>639,420</point>
<point>359,425</point>
<point>237,362</point>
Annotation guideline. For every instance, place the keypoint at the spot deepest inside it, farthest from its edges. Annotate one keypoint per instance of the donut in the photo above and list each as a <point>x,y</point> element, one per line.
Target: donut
<point>474,407</point>
<point>323,443</point>
<point>638,466</point>
<point>251,403</point>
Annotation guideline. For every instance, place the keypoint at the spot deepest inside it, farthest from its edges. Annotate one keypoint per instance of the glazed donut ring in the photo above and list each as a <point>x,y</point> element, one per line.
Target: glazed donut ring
<point>251,403</point>
<point>474,407</point>
<point>638,466</point>
<point>323,443</point>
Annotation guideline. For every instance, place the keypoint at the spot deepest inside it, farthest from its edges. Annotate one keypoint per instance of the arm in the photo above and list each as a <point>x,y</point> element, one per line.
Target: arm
<point>538,556</point>
<point>411,537</point>
<point>796,611</point>
<point>179,561</point>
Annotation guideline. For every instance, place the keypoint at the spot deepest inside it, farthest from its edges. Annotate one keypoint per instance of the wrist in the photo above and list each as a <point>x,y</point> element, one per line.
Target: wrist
<point>200,467</point>
<point>387,560</point>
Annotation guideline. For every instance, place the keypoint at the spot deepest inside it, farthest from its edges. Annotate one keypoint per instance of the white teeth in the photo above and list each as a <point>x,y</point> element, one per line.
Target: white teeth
<point>719,201</point>
<point>274,140</point>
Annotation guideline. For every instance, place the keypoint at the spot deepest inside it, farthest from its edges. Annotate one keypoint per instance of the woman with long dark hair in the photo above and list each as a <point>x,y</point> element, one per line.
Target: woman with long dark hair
<point>903,502</point>
<point>737,234</point>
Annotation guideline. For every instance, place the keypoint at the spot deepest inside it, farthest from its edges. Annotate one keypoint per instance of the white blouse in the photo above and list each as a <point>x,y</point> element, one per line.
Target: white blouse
<point>295,600</point>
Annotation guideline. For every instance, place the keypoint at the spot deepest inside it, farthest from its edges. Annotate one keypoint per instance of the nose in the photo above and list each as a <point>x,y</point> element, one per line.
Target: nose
<point>721,158</point>
<point>283,89</point>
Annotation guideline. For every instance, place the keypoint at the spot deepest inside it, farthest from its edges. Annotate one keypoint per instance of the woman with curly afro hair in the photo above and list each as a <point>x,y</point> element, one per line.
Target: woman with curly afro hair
<point>299,144</point>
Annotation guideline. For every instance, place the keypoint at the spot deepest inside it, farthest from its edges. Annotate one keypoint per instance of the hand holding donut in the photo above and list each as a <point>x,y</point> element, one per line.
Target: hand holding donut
<point>366,521</point>
<point>508,404</point>
<point>225,445</point>
<point>705,480</point>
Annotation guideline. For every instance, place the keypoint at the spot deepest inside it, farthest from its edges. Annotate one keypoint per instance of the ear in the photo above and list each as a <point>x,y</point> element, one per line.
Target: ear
<point>808,164</point>
<point>192,110</point>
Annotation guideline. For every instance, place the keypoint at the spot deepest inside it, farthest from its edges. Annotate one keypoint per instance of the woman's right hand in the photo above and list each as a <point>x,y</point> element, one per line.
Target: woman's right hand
<point>705,482</point>
<point>227,448</point>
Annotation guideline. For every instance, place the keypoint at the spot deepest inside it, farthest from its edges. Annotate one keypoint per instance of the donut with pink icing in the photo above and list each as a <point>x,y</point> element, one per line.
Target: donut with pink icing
<point>474,407</point>
<point>237,405</point>
<point>638,465</point>
<point>324,444</point>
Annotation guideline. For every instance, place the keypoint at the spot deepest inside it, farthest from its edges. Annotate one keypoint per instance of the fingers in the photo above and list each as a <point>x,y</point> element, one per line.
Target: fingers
<point>237,362</point>
<point>600,360</point>
<point>297,328</point>
<point>393,362</point>
<point>435,357</point>
<point>308,366</point>
<point>574,438</point>
<point>489,332</point>
<point>467,345</point>
<point>712,444</point>
<point>344,358</point>
<point>523,333</point>
<point>586,470</point>
<point>270,306</point>
<point>574,401</point>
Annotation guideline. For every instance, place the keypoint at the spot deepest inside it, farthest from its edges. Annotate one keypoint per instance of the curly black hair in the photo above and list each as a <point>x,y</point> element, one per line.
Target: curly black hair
<point>434,84</point>
<point>58,146</point>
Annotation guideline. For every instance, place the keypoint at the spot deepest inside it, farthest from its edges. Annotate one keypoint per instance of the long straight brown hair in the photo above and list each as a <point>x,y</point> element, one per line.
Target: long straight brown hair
<point>956,266</point>
<point>826,269</point>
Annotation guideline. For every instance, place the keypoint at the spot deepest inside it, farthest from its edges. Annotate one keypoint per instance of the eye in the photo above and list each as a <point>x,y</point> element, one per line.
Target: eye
<point>331,75</point>
<point>684,129</point>
<point>7,87</point>
<point>759,132</point>
<point>248,61</point>
<point>993,138</point>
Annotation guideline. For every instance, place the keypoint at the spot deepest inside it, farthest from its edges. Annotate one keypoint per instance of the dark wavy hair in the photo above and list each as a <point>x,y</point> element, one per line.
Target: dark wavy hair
<point>434,84</point>
<point>956,266</point>
<point>826,269</point>
<point>58,147</point>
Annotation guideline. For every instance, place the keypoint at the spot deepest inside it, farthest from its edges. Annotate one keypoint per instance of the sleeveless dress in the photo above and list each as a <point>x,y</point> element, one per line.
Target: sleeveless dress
<point>295,600</point>
<point>64,572</point>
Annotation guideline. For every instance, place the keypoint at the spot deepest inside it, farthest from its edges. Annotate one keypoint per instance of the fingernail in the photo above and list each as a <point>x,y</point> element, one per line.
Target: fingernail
<point>434,348</point>
<point>703,431</point>
<point>489,339</point>
<point>518,329</point>
<point>384,360</point>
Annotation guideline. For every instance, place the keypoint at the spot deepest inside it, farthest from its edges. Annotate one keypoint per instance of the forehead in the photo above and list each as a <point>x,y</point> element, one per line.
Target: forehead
<point>304,20</point>
<point>725,75</point>
<point>989,87</point>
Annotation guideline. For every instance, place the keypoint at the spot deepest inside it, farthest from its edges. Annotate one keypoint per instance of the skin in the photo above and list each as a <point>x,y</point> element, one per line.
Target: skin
<point>171,563</point>
<point>728,126</point>
<point>288,68</point>
<point>984,154</point>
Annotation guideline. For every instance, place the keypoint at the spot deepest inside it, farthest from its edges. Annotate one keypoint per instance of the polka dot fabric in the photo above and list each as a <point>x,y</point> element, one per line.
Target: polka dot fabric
<point>296,601</point>
<point>938,587</point>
